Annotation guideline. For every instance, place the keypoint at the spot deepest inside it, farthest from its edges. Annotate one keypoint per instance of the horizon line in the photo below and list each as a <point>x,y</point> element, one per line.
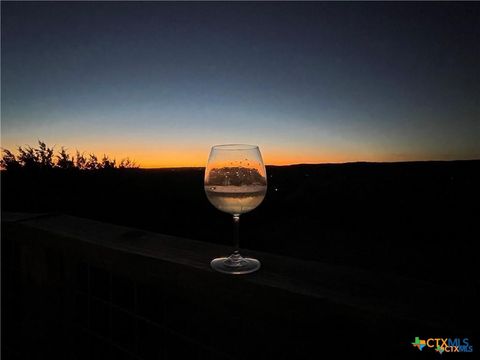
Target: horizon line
<point>321,163</point>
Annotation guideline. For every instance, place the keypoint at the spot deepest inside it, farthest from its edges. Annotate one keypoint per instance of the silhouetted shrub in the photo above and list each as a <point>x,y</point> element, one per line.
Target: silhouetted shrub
<point>9,161</point>
<point>80,161</point>
<point>64,161</point>
<point>107,163</point>
<point>92,162</point>
<point>28,157</point>
<point>43,158</point>
<point>127,164</point>
<point>44,155</point>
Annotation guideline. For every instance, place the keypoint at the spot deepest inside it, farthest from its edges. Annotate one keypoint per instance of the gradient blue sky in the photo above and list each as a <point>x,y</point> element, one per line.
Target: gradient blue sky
<point>308,82</point>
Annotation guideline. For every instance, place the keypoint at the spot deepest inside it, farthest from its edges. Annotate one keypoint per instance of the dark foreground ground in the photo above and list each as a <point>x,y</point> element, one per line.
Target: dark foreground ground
<point>68,293</point>
<point>418,219</point>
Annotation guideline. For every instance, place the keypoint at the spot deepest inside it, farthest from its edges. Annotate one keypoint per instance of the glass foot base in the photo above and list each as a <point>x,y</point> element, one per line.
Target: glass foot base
<point>235,264</point>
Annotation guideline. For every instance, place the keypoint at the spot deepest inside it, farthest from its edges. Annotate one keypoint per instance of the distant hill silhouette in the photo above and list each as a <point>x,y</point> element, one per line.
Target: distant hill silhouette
<point>418,218</point>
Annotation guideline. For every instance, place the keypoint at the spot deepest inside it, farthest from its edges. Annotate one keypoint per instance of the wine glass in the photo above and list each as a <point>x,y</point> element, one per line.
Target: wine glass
<point>235,183</point>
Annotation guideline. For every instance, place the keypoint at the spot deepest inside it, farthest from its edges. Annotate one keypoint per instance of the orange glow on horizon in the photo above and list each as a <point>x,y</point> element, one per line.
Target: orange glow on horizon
<point>174,154</point>
<point>199,159</point>
<point>166,159</point>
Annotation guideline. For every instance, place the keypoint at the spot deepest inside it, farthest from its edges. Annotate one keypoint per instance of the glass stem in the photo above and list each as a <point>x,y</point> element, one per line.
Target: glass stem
<point>236,234</point>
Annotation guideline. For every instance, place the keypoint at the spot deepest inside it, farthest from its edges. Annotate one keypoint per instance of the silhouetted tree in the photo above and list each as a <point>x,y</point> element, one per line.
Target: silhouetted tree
<point>80,161</point>
<point>64,161</point>
<point>43,158</point>
<point>27,157</point>
<point>107,163</point>
<point>92,162</point>
<point>44,155</point>
<point>126,163</point>
<point>40,158</point>
<point>9,161</point>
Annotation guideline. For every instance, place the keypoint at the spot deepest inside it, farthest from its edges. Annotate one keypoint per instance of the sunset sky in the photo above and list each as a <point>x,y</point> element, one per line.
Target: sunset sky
<point>307,82</point>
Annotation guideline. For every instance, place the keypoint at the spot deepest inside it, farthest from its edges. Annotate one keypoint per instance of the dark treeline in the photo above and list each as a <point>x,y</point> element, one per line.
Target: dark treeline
<point>44,158</point>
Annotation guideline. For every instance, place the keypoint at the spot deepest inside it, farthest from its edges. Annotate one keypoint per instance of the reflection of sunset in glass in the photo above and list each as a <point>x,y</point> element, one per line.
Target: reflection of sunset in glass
<point>239,200</point>
<point>236,183</point>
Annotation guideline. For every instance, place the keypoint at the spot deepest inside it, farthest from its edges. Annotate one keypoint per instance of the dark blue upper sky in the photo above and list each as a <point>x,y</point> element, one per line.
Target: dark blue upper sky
<point>308,82</point>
